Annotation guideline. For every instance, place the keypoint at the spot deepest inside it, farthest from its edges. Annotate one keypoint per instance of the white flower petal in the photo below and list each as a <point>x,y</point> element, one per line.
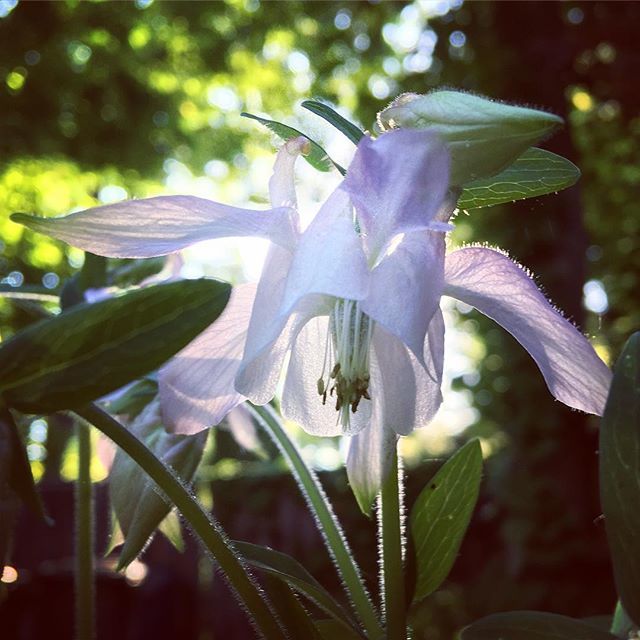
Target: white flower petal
<point>329,258</point>
<point>369,462</point>
<point>404,395</point>
<point>262,362</point>
<point>161,225</point>
<point>197,385</point>
<point>301,401</point>
<point>398,183</point>
<point>406,287</point>
<point>281,186</point>
<point>502,290</point>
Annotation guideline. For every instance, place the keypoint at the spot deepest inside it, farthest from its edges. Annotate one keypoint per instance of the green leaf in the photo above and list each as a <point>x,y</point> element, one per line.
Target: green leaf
<point>332,630</point>
<point>317,157</point>
<point>532,625</point>
<point>92,349</point>
<point>171,529</point>
<point>136,397</point>
<point>354,133</point>
<point>138,507</point>
<point>441,515</point>
<point>291,613</point>
<point>296,576</point>
<point>15,469</point>
<point>620,474</point>
<point>535,173</point>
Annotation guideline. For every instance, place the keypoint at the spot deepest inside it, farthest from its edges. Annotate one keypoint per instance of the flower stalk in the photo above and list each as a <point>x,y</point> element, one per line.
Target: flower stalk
<point>391,548</point>
<point>327,522</point>
<point>84,561</point>
<point>201,522</point>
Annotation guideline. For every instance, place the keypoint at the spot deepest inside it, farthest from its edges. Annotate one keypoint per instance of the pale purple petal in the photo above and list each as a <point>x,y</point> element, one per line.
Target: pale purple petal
<point>265,351</point>
<point>405,396</point>
<point>369,462</point>
<point>281,185</point>
<point>161,225</point>
<point>197,385</point>
<point>503,291</point>
<point>406,287</point>
<point>301,401</point>
<point>397,183</point>
<point>329,258</point>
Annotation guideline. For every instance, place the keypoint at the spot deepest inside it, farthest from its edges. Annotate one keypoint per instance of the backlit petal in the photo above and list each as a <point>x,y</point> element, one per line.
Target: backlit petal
<point>406,287</point>
<point>301,401</point>
<point>369,462</point>
<point>197,385</point>
<point>329,258</point>
<point>503,291</point>
<point>161,225</point>
<point>406,396</point>
<point>397,183</point>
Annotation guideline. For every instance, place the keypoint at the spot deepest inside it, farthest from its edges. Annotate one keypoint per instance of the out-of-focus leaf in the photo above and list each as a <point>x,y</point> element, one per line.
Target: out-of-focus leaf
<point>138,506</point>
<point>296,576</point>
<point>317,157</point>
<point>15,469</point>
<point>620,475</point>
<point>170,528</point>
<point>535,173</point>
<point>93,349</point>
<point>93,275</point>
<point>441,515</point>
<point>349,129</point>
<point>532,625</point>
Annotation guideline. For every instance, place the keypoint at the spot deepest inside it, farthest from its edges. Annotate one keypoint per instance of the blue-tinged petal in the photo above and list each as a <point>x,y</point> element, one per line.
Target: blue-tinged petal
<point>197,385</point>
<point>161,225</point>
<point>406,287</point>
<point>503,291</point>
<point>281,185</point>
<point>301,401</point>
<point>405,396</point>
<point>397,183</point>
<point>369,461</point>
<point>329,258</point>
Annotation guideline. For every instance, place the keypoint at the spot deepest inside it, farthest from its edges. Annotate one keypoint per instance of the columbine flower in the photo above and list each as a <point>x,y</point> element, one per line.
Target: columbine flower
<point>354,300</point>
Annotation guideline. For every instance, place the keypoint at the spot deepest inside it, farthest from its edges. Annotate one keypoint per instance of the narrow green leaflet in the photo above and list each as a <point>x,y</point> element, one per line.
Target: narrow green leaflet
<point>66,361</point>
<point>620,475</point>
<point>441,515</point>
<point>349,129</point>
<point>15,469</point>
<point>291,613</point>
<point>138,507</point>
<point>317,157</point>
<point>532,625</point>
<point>296,576</point>
<point>535,173</point>
<point>332,630</point>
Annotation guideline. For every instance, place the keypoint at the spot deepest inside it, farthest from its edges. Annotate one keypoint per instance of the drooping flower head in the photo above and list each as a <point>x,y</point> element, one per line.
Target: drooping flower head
<point>353,300</point>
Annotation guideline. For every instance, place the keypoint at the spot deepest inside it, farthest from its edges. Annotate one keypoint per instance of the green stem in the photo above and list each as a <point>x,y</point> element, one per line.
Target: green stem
<point>327,522</point>
<point>201,522</point>
<point>84,569</point>
<point>392,578</point>
<point>621,624</point>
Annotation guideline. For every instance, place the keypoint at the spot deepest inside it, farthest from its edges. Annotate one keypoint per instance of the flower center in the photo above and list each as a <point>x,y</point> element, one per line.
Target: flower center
<point>345,371</point>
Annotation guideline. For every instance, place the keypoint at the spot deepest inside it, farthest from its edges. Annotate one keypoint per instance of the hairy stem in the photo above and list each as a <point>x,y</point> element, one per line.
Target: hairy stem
<point>84,566</point>
<point>201,522</point>
<point>392,577</point>
<point>327,522</point>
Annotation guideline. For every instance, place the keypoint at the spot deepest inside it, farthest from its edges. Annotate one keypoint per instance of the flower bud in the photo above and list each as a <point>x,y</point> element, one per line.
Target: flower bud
<point>484,136</point>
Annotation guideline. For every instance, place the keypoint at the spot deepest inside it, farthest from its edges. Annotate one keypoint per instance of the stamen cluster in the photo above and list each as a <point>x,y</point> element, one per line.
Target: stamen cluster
<point>345,371</point>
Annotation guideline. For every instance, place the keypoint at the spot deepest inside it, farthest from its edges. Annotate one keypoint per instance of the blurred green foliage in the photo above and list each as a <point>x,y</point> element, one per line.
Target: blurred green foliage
<point>104,100</point>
